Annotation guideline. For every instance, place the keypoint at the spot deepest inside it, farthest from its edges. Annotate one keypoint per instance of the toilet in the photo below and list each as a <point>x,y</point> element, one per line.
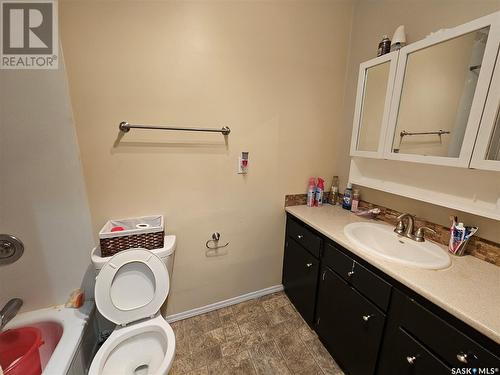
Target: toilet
<point>130,289</point>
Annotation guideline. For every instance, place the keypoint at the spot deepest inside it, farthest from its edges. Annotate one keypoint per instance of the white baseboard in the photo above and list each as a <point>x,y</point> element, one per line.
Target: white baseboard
<point>221,304</point>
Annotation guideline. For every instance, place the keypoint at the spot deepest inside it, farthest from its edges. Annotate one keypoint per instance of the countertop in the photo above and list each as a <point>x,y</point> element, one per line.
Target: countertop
<point>469,289</point>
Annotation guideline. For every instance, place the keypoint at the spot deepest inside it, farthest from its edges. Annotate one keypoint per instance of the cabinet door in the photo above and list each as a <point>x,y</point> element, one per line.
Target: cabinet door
<point>373,101</point>
<point>300,278</point>
<point>440,90</point>
<point>487,149</point>
<point>406,356</point>
<point>349,325</point>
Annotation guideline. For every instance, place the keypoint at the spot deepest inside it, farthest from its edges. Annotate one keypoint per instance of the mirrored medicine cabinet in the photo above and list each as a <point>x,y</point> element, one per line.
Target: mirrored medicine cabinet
<point>486,153</point>
<point>435,101</point>
<point>375,86</point>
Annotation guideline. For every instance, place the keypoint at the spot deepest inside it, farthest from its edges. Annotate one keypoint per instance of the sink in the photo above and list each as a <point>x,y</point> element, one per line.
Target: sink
<point>382,241</point>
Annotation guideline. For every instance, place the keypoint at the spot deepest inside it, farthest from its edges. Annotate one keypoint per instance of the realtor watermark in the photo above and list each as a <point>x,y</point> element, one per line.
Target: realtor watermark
<point>474,370</point>
<point>29,34</point>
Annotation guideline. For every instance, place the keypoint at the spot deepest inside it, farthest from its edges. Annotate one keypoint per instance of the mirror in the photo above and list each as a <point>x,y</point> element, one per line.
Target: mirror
<point>373,104</point>
<point>494,145</point>
<point>437,94</point>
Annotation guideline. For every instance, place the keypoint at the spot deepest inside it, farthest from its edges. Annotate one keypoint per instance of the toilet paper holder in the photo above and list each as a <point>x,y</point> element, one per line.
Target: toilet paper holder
<point>215,241</point>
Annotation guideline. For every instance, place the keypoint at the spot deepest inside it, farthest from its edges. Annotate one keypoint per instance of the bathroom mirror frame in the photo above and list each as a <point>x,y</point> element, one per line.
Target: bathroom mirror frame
<point>493,22</point>
<point>489,121</point>
<point>392,58</point>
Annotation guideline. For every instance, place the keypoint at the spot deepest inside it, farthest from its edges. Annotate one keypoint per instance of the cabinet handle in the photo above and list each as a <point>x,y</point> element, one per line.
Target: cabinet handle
<point>411,359</point>
<point>309,265</point>
<point>462,357</point>
<point>351,272</point>
<point>300,236</point>
<point>367,317</point>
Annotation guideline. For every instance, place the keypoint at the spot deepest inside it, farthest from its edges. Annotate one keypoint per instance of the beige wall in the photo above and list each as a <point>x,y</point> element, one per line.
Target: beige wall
<point>371,20</point>
<point>42,193</point>
<point>272,71</point>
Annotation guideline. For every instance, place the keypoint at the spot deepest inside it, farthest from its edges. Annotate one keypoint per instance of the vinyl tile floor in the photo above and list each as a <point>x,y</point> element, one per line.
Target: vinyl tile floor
<point>264,336</point>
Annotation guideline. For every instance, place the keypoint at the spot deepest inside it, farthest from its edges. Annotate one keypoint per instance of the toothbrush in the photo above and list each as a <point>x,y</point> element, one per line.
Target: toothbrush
<point>454,221</point>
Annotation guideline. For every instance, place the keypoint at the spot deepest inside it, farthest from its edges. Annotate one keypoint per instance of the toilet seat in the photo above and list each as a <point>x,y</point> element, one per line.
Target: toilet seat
<point>132,285</point>
<point>129,291</point>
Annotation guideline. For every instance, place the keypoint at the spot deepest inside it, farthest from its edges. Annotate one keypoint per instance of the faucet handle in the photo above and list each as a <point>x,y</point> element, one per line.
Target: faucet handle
<point>400,227</point>
<point>419,236</point>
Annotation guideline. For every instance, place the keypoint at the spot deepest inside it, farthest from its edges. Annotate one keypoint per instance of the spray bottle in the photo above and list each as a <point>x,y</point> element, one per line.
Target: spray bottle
<point>320,188</point>
<point>311,190</point>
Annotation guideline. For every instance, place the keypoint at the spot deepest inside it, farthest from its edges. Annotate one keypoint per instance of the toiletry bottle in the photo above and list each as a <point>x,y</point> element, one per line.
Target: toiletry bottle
<point>346,204</point>
<point>458,236</point>
<point>334,192</point>
<point>320,188</point>
<point>398,39</point>
<point>355,200</point>
<point>311,190</point>
<point>335,199</point>
<point>384,46</point>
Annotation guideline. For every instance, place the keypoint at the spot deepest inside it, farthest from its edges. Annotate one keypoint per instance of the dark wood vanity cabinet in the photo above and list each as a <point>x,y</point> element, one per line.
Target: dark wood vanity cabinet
<point>369,322</point>
<point>300,269</point>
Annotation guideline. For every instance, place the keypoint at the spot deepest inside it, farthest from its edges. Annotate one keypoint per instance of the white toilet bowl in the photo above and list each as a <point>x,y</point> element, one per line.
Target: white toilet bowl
<point>144,348</point>
<point>129,291</point>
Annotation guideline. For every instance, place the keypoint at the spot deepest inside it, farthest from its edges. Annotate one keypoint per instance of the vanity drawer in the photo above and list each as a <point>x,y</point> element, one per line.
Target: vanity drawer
<point>454,347</point>
<point>364,280</point>
<point>337,261</point>
<point>304,236</point>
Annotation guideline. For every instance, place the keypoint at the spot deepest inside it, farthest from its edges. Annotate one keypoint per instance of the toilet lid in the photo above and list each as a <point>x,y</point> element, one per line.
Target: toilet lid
<point>132,285</point>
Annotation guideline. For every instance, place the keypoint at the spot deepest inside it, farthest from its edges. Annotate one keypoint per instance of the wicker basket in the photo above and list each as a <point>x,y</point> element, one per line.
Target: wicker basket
<point>146,232</point>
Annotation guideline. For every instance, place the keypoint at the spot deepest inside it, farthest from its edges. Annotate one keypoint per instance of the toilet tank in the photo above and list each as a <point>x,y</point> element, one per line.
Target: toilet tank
<point>166,254</point>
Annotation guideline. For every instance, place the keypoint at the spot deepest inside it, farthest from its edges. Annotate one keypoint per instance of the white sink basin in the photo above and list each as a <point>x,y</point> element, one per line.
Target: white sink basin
<point>381,240</point>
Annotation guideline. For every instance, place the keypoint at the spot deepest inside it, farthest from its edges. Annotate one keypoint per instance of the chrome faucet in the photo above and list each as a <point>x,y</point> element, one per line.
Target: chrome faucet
<point>9,311</point>
<point>407,230</point>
